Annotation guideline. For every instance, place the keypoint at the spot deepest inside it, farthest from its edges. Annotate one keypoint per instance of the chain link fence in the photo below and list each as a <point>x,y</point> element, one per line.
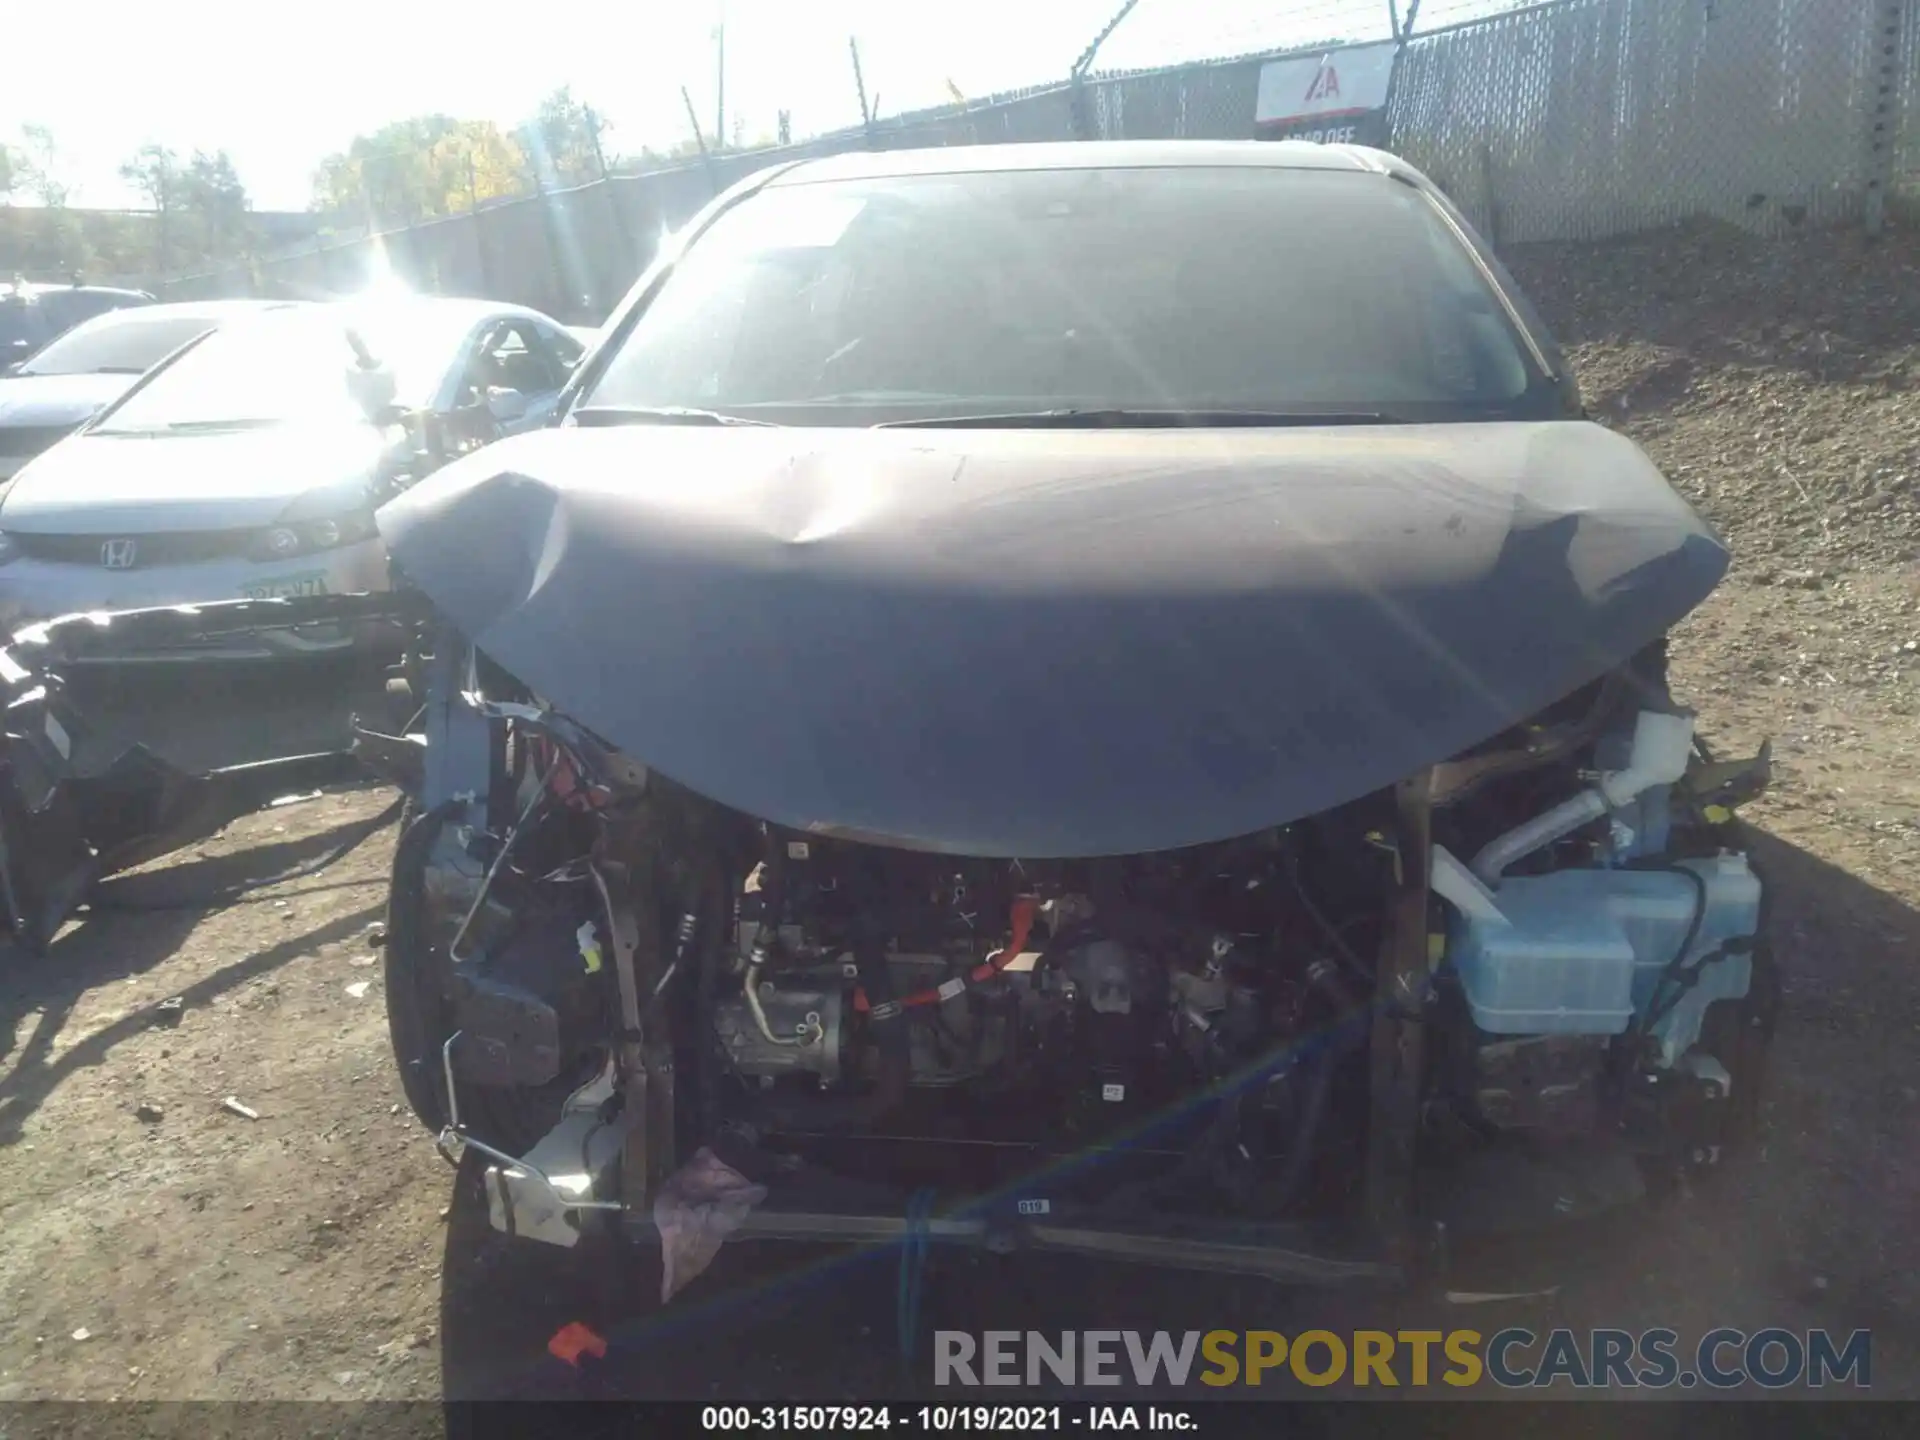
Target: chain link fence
<point>1213,101</point>
<point>1586,118</point>
<point>1569,119</point>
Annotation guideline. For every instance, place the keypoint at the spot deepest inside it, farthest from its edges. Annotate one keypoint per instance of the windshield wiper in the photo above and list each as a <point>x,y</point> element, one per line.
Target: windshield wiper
<point>658,415</point>
<point>1073,419</point>
<point>97,370</point>
<point>257,422</point>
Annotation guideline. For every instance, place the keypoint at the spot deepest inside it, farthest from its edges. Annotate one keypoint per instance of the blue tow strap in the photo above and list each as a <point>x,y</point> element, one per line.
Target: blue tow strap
<point>913,1265</point>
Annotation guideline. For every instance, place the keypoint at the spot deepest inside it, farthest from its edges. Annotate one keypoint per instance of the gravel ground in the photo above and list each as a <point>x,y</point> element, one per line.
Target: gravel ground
<point>154,1244</point>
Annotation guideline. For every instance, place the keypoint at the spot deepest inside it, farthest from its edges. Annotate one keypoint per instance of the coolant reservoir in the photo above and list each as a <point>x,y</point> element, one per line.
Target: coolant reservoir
<point>1733,912</point>
<point>1579,952</point>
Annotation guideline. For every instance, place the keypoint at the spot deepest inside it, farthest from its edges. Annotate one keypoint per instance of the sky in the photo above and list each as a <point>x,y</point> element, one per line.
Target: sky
<point>279,87</point>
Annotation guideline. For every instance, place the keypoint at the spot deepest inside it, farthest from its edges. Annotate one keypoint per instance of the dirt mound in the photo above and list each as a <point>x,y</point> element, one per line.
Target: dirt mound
<point>1776,381</point>
<point>1778,385</point>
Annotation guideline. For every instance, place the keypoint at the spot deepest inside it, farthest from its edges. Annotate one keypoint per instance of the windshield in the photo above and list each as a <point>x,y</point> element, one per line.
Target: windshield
<point>1192,289</point>
<point>287,367</point>
<point>123,343</point>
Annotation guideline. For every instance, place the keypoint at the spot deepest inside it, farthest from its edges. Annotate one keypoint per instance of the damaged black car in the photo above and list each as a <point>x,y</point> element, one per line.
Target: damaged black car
<point>1096,697</point>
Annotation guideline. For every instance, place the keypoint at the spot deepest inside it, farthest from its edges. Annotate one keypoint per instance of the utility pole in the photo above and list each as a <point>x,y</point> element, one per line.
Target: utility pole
<point>860,88</point>
<point>706,157</point>
<point>859,84</point>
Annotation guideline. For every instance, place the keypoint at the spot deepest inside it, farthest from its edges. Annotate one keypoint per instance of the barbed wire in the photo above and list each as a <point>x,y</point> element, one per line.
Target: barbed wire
<point>1444,14</point>
<point>1549,119</point>
<point>1169,32</point>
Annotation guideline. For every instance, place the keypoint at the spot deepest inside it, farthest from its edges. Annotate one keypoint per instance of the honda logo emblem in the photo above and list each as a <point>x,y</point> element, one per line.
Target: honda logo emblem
<point>118,554</point>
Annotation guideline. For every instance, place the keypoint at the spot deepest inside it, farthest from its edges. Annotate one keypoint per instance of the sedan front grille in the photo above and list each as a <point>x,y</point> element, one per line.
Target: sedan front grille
<point>177,547</point>
<point>29,440</point>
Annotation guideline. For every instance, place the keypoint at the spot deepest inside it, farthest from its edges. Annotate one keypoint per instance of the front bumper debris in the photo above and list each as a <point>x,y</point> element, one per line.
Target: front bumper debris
<point>74,810</point>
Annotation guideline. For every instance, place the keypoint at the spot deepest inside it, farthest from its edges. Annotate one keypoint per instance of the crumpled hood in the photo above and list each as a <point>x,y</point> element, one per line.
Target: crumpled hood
<point>1054,643</point>
<point>38,400</point>
<point>101,483</point>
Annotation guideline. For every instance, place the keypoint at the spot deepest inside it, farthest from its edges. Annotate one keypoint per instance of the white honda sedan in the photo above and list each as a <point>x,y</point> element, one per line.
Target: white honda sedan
<point>245,466</point>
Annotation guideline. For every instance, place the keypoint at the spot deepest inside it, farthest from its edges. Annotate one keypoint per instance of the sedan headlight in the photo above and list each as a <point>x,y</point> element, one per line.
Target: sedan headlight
<point>304,537</point>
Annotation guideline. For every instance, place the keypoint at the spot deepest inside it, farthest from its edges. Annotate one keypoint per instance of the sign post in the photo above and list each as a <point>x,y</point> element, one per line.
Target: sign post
<point>1336,97</point>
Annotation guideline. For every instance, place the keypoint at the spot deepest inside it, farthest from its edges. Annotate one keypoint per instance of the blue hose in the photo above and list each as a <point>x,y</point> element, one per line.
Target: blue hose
<point>913,1268</point>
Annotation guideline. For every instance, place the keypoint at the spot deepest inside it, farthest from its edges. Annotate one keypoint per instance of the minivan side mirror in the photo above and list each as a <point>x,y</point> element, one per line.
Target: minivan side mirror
<point>507,406</point>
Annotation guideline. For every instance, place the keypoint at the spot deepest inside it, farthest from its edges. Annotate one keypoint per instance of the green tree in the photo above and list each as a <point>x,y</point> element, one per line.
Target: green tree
<point>9,173</point>
<point>475,162</point>
<point>54,239</point>
<point>210,190</point>
<point>39,167</point>
<point>154,171</point>
<point>568,136</point>
<point>414,169</point>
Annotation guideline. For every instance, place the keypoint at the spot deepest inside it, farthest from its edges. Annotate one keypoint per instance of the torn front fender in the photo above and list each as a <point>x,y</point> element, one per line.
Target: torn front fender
<point>74,810</point>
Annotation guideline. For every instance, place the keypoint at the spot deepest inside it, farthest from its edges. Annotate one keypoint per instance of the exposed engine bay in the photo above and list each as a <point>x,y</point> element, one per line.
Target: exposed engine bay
<point>1526,984</point>
<point>1545,953</point>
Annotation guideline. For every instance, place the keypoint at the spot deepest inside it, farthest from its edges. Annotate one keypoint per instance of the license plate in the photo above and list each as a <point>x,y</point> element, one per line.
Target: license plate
<point>286,586</point>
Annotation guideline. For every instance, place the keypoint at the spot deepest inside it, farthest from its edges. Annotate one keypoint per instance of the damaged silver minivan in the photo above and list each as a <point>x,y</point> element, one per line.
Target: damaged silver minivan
<point>1094,697</point>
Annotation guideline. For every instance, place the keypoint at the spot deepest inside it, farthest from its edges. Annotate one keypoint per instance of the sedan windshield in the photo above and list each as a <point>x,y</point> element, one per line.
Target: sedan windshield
<point>127,342</point>
<point>287,367</point>
<point>1009,295</point>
